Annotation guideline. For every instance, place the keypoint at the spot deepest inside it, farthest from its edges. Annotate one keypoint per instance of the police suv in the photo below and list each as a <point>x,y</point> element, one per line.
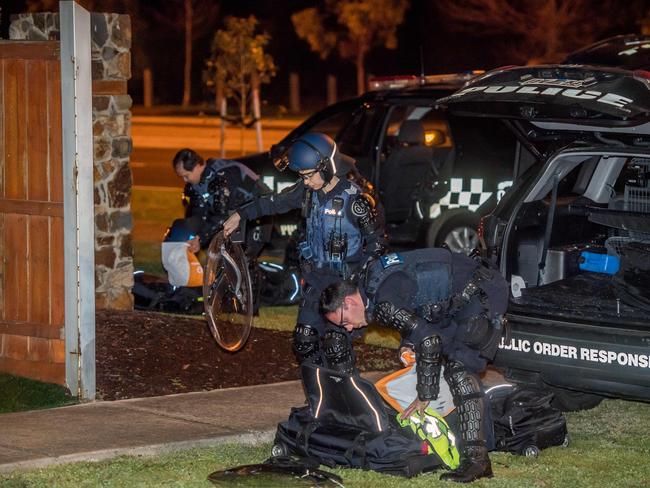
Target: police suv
<point>572,236</point>
<point>421,168</point>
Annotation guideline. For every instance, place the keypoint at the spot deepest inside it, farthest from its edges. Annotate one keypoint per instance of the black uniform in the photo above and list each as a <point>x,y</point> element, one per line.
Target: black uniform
<point>224,186</point>
<point>449,308</point>
<point>342,233</point>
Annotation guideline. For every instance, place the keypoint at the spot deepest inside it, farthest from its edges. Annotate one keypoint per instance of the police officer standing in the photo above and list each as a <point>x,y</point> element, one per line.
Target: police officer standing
<point>447,307</point>
<point>343,233</point>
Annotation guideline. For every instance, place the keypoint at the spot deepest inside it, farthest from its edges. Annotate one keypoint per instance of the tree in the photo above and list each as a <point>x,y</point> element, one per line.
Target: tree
<point>354,27</point>
<point>538,30</point>
<point>238,65</point>
<point>193,26</point>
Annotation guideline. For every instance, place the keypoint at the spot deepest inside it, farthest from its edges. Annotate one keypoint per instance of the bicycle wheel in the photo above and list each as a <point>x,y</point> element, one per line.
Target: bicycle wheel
<point>228,294</point>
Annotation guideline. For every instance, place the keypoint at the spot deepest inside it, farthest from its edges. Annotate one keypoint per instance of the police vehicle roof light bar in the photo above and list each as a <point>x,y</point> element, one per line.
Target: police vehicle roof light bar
<point>402,81</point>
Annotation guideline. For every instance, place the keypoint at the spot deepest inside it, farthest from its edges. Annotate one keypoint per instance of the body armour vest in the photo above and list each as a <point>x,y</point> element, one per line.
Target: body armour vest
<point>431,269</point>
<point>333,239</point>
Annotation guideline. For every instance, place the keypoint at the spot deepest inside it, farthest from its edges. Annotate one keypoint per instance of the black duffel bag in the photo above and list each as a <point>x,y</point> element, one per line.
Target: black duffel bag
<point>347,424</point>
<point>524,420</point>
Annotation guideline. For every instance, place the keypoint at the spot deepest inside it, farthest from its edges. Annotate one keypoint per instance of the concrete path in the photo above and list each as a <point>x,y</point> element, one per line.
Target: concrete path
<point>146,426</point>
<point>104,430</point>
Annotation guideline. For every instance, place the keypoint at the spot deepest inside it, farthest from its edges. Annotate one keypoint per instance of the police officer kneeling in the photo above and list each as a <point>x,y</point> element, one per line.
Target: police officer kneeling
<point>447,307</point>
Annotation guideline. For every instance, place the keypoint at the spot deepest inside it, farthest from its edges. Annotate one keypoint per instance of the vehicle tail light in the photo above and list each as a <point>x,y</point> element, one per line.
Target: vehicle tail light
<point>643,76</point>
<point>641,73</point>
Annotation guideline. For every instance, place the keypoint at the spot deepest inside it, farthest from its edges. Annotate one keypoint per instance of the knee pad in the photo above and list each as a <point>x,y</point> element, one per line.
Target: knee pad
<point>338,352</point>
<point>468,397</point>
<point>306,343</point>
<point>463,384</point>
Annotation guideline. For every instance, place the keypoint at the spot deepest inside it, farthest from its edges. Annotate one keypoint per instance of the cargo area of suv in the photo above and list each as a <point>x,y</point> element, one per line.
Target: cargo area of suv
<point>567,242</point>
<point>572,234</point>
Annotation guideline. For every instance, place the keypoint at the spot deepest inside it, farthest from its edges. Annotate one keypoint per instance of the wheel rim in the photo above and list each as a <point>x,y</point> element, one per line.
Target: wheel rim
<point>462,239</point>
<point>227,294</point>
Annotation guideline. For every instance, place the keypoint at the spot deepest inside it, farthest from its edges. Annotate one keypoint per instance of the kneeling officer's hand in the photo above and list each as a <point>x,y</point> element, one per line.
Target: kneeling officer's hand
<point>417,405</point>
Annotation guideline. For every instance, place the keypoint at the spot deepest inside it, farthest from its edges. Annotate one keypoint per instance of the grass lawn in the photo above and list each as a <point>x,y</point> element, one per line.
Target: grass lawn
<point>18,394</point>
<point>610,447</point>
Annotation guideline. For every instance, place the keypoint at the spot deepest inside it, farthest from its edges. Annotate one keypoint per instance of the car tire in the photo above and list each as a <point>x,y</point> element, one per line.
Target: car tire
<point>572,401</point>
<point>459,235</point>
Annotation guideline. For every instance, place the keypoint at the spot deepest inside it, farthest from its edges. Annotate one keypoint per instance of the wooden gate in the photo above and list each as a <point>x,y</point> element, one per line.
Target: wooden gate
<point>31,212</point>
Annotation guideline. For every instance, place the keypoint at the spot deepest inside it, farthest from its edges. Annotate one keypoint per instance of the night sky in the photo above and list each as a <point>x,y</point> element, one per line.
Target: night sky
<point>443,51</point>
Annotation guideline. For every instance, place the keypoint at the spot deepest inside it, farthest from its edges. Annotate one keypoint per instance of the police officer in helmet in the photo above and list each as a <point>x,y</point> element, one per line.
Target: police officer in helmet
<point>343,233</point>
<point>447,307</point>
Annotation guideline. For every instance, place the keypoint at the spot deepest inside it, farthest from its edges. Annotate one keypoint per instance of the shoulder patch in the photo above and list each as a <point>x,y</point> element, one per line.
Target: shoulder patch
<point>363,206</point>
<point>359,208</point>
<point>352,190</point>
<point>391,259</point>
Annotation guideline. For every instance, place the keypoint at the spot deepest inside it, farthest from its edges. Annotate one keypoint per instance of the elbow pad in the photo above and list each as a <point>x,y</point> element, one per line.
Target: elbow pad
<point>397,318</point>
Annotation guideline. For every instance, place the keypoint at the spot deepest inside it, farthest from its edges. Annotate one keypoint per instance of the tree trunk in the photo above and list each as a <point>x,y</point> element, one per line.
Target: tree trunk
<point>223,110</point>
<point>187,72</point>
<point>257,112</point>
<point>294,93</point>
<point>147,81</point>
<point>221,106</point>
<point>242,106</point>
<point>361,71</point>
<point>331,89</point>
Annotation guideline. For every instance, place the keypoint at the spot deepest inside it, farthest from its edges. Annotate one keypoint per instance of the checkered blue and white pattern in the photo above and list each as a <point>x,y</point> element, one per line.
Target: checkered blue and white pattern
<point>460,196</point>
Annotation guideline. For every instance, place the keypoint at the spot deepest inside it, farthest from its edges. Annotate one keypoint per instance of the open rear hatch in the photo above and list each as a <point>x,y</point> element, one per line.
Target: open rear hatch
<point>600,97</point>
<point>589,199</point>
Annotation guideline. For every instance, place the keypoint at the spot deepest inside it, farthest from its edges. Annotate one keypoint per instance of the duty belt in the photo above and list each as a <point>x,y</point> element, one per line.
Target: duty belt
<point>435,312</point>
<point>345,270</point>
<point>459,300</point>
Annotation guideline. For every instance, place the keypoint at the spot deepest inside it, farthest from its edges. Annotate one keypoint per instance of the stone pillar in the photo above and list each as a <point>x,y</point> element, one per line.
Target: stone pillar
<point>111,68</point>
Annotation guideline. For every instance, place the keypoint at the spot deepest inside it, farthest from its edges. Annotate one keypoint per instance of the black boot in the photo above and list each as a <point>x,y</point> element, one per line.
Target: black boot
<point>468,398</point>
<point>475,464</point>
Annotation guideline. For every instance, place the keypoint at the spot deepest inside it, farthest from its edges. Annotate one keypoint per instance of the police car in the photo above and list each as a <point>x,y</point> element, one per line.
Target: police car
<point>404,145</point>
<point>572,236</point>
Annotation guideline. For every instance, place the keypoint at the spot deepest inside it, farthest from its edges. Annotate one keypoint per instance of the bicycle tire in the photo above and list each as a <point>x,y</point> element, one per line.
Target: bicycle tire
<point>228,294</point>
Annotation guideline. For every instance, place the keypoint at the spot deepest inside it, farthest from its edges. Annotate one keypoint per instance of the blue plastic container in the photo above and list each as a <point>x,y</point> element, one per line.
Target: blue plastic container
<point>599,263</point>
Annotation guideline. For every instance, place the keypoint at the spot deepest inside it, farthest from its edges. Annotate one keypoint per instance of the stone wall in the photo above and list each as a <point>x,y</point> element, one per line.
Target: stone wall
<point>111,68</point>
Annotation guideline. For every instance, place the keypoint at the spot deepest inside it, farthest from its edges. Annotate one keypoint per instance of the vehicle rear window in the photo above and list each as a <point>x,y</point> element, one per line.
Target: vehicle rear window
<point>357,136</point>
<point>333,125</point>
